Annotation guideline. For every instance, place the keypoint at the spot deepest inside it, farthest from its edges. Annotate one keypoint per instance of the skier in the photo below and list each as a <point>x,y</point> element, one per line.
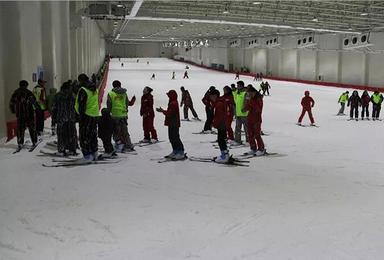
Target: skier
<point>146,111</point>
<point>377,99</point>
<point>122,64</point>
<point>186,75</point>
<point>153,76</point>
<point>237,75</point>
<point>342,100</point>
<point>219,122</point>
<point>208,111</point>
<point>186,100</point>
<point>365,100</point>
<point>307,103</point>
<point>354,101</point>
<point>239,96</point>
<point>50,100</point>
<point>22,105</point>
<point>256,77</point>
<point>254,119</point>
<point>105,132</point>
<point>261,76</point>
<point>172,120</point>
<point>40,96</point>
<point>87,107</point>
<point>173,75</point>
<point>229,112</point>
<point>266,88</point>
<point>117,103</point>
<point>137,61</point>
<point>64,117</point>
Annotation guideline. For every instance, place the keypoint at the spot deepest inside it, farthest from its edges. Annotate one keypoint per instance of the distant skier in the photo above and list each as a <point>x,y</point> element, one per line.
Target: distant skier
<point>118,103</point>
<point>148,114</point>
<point>208,110</point>
<point>147,62</point>
<point>137,61</point>
<point>186,101</point>
<point>153,76</point>
<point>265,88</point>
<point>64,118</point>
<point>254,107</point>
<point>122,64</point>
<point>40,95</point>
<point>105,132</point>
<point>187,67</point>
<point>229,112</point>
<point>355,102</point>
<point>172,120</point>
<point>342,100</point>
<point>186,75</point>
<point>219,122</point>
<point>256,77</point>
<point>365,100</point>
<point>22,105</point>
<point>307,103</point>
<point>87,107</point>
<point>377,100</point>
<point>173,75</point>
<point>239,96</point>
<point>237,75</point>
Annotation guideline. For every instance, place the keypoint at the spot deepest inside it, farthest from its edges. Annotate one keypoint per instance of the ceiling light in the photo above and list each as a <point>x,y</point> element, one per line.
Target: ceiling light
<point>225,12</point>
<point>364,14</point>
<point>120,5</point>
<point>200,34</point>
<point>228,29</point>
<point>256,3</point>
<point>315,19</point>
<point>242,27</point>
<point>181,24</point>
<point>172,38</point>
<point>173,27</point>
<point>143,37</point>
<point>115,23</point>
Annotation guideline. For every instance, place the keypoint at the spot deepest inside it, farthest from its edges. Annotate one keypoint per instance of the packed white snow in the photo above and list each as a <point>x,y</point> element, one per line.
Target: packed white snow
<point>323,200</point>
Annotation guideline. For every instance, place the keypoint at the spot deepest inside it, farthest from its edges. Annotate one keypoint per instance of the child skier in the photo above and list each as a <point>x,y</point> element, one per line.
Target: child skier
<point>365,99</point>
<point>173,75</point>
<point>64,117</point>
<point>376,99</point>
<point>105,132</point>
<point>186,75</point>
<point>22,105</point>
<point>237,75</point>
<point>254,119</point>
<point>219,122</point>
<point>229,112</point>
<point>354,101</point>
<point>153,76</point>
<point>186,101</point>
<point>172,120</point>
<point>342,100</point>
<point>307,103</point>
<point>146,111</point>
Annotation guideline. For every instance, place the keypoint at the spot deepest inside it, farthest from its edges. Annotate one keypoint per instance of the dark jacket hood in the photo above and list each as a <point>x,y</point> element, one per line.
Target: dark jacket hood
<point>119,90</point>
<point>172,95</point>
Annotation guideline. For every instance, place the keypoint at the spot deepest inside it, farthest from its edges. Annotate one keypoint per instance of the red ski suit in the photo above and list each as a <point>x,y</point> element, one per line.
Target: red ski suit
<point>307,103</point>
<point>229,113</point>
<point>172,114</point>
<point>255,108</point>
<point>148,114</point>
<point>219,118</point>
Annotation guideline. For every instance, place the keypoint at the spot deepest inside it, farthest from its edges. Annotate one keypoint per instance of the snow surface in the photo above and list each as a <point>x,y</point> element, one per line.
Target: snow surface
<point>324,200</point>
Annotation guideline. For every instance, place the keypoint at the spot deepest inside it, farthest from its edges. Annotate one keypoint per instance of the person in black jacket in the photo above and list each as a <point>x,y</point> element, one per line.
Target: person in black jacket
<point>208,110</point>
<point>105,132</point>
<point>23,105</point>
<point>64,118</point>
<point>354,101</point>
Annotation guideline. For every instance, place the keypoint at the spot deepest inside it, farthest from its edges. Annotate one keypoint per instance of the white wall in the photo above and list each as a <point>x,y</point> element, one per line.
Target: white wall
<point>139,49</point>
<point>328,66</point>
<point>307,64</point>
<point>38,33</point>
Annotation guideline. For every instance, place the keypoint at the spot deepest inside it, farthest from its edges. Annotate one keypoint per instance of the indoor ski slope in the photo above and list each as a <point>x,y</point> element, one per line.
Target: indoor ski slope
<point>323,200</point>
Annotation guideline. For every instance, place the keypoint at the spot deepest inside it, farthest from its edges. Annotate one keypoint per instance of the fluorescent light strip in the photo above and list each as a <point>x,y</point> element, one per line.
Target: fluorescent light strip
<point>142,18</point>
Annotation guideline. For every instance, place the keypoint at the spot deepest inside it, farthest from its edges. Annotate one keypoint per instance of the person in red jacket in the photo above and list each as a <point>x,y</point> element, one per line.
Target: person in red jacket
<point>254,106</point>
<point>365,99</point>
<point>172,120</point>
<point>219,122</point>
<point>229,112</point>
<point>146,111</point>
<point>307,103</point>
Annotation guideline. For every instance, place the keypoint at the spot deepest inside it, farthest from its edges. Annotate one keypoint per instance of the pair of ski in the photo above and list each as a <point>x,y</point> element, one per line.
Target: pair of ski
<point>79,162</point>
<point>169,159</point>
<point>143,144</point>
<point>31,148</point>
<point>232,161</point>
<point>306,125</point>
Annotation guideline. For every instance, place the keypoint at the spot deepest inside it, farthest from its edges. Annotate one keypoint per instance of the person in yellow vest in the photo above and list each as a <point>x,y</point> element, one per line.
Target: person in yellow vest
<point>40,96</point>
<point>87,107</point>
<point>117,103</point>
<point>376,99</point>
<point>342,100</point>
<point>239,96</point>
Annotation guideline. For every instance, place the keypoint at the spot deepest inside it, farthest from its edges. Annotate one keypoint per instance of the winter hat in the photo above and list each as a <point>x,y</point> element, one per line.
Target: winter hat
<point>149,89</point>
<point>83,77</point>
<point>23,83</point>
<point>116,84</point>
<point>240,83</point>
<point>212,88</point>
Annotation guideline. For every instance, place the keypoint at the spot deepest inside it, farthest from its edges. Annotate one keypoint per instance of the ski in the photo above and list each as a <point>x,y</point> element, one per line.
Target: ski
<point>18,149</point>
<point>205,133</point>
<point>147,144</point>
<point>79,162</point>
<point>249,156</point>
<point>307,125</point>
<point>231,162</point>
<point>209,158</point>
<point>232,146</point>
<point>170,159</point>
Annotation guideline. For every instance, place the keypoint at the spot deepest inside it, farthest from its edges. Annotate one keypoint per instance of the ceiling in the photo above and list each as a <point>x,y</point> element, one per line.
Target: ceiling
<point>164,20</point>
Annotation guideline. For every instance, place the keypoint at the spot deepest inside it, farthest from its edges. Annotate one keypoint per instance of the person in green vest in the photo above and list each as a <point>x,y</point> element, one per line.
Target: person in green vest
<point>239,96</point>
<point>87,107</point>
<point>376,99</point>
<point>342,100</point>
<point>40,96</point>
<point>117,103</point>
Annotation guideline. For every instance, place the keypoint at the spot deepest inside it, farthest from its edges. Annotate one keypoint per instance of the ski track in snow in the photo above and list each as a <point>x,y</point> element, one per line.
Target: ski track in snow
<point>323,200</point>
